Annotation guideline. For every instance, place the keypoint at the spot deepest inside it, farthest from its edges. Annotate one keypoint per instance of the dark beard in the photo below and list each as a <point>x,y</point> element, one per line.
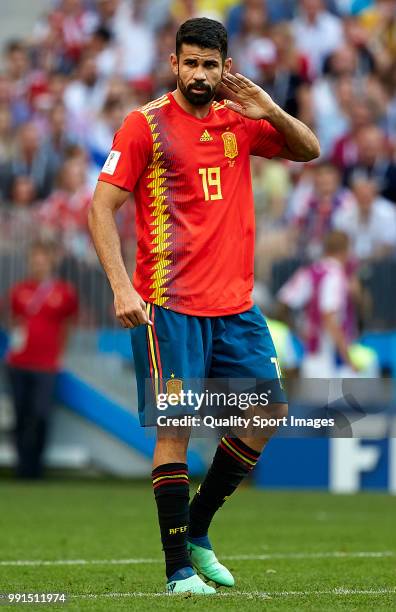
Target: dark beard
<point>207,95</point>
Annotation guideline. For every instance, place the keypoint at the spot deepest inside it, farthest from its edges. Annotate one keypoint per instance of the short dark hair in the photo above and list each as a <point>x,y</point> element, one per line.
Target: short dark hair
<point>203,32</point>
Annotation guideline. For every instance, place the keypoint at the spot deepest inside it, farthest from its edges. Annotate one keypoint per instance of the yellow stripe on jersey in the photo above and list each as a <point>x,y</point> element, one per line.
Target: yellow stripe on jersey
<point>155,104</point>
<point>161,236</point>
<point>218,105</point>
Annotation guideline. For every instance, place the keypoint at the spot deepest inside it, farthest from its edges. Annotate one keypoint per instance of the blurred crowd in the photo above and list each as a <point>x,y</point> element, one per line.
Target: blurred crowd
<point>66,88</point>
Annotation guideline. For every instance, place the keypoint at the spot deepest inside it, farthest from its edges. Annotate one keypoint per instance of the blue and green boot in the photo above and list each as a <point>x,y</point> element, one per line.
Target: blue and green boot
<point>206,563</point>
<point>186,581</point>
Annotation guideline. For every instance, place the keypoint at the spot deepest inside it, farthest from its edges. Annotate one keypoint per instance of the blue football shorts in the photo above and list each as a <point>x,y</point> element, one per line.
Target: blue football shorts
<point>180,347</point>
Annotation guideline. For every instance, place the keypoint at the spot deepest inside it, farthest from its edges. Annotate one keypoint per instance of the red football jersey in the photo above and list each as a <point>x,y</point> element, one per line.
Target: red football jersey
<point>40,313</point>
<point>194,203</point>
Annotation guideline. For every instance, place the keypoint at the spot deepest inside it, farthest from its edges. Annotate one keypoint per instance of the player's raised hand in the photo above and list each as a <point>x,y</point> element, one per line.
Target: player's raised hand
<point>130,309</point>
<point>248,99</point>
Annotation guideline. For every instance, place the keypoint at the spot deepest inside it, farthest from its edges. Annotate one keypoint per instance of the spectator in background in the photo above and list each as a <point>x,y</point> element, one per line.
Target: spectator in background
<point>333,96</point>
<point>136,40</point>
<point>16,222</point>
<point>277,10</point>
<point>58,140</point>
<point>317,32</point>
<point>100,139</point>
<point>65,212</point>
<point>323,291</point>
<point>373,159</point>
<point>42,309</point>
<point>290,71</point>
<point>6,149</point>
<point>236,17</point>
<point>274,238</point>
<point>18,74</point>
<point>358,38</point>
<point>269,57</point>
<point>163,79</point>
<point>17,218</point>
<point>345,149</point>
<point>157,18</point>
<point>23,192</point>
<point>252,48</point>
<point>379,21</point>
<point>33,159</point>
<point>315,216</point>
<point>57,83</point>
<point>66,30</point>
<point>119,90</point>
<point>107,54</point>
<point>370,222</point>
<point>110,15</point>
<point>84,96</point>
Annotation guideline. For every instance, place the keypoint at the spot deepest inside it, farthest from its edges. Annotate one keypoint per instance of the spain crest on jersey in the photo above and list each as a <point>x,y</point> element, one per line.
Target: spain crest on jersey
<point>230,144</point>
<point>174,386</point>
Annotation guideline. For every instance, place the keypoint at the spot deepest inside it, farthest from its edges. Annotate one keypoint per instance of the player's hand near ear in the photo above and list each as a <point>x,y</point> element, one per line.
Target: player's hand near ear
<point>251,101</point>
<point>248,99</point>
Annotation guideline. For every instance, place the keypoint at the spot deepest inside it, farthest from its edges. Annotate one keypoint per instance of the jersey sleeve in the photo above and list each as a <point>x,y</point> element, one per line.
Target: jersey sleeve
<point>265,140</point>
<point>130,153</point>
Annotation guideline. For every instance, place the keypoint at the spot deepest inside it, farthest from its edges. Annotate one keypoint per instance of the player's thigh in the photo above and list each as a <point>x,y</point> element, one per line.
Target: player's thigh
<point>166,355</point>
<point>243,348</point>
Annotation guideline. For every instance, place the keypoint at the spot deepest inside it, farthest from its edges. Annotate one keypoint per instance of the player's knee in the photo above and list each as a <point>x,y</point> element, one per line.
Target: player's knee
<point>275,417</point>
<point>171,447</point>
<point>179,444</point>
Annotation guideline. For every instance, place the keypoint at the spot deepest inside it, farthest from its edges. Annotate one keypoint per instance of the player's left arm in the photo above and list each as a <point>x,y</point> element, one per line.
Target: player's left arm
<point>253,102</point>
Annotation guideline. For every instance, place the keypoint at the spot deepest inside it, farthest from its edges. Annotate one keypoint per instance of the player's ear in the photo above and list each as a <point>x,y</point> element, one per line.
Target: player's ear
<point>227,65</point>
<point>174,63</point>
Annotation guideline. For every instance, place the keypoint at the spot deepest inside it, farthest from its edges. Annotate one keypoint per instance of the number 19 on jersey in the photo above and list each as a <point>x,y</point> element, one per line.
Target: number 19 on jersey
<point>211,183</point>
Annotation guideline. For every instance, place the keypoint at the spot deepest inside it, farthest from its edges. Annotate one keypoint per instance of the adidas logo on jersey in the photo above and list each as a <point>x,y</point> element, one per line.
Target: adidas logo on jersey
<point>206,137</point>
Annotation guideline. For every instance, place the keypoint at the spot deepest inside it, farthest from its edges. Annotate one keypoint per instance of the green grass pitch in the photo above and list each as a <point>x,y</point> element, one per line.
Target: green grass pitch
<point>287,550</point>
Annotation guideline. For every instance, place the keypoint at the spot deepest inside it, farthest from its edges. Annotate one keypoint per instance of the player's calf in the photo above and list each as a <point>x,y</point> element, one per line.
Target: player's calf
<point>171,490</point>
<point>273,415</point>
<point>232,462</point>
